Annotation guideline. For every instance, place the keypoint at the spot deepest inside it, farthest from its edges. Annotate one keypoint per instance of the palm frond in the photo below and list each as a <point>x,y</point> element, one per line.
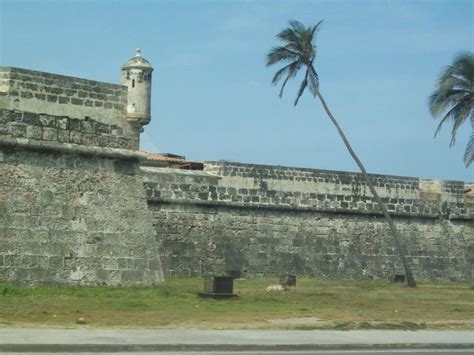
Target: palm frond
<point>291,73</point>
<point>469,152</point>
<point>464,62</point>
<point>453,99</point>
<point>279,73</point>
<point>283,86</point>
<point>458,115</point>
<point>315,30</point>
<point>289,37</point>
<point>279,54</point>
<point>303,85</point>
<point>453,80</point>
<point>461,114</point>
<point>297,26</point>
<point>440,100</point>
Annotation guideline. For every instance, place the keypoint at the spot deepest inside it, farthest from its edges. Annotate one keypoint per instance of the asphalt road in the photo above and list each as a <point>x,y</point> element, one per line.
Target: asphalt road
<point>332,352</point>
<point>94,341</point>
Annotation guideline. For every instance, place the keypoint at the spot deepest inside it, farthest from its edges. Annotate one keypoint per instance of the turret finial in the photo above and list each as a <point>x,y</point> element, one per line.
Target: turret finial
<point>138,52</point>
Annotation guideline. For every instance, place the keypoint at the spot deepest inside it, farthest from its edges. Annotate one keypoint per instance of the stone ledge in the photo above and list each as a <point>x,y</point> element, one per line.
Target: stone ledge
<point>286,208</point>
<point>256,169</point>
<point>70,148</point>
<point>154,170</point>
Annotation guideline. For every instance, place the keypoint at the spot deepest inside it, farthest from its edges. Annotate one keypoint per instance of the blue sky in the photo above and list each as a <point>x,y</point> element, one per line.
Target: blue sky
<point>212,99</point>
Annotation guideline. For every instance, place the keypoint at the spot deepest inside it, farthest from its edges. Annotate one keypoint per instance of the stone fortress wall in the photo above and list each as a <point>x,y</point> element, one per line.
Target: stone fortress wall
<point>78,207</point>
<point>63,109</point>
<point>72,204</point>
<point>261,220</point>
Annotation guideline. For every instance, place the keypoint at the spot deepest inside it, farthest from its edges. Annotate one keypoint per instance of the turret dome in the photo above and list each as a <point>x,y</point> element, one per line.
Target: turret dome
<point>137,62</point>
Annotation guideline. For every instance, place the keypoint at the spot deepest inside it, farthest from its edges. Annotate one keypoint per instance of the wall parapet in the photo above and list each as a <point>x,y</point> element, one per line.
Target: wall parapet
<point>327,191</point>
<point>34,91</point>
<point>53,107</point>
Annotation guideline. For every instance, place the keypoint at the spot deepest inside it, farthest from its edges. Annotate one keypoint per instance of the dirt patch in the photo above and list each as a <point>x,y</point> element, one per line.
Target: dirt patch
<point>295,321</point>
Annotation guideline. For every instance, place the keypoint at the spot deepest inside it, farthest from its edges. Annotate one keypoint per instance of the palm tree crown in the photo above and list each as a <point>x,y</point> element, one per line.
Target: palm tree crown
<point>453,99</point>
<point>299,50</point>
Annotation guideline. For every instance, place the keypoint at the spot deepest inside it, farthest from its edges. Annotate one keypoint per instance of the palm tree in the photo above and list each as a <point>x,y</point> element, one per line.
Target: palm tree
<point>455,94</point>
<point>299,52</point>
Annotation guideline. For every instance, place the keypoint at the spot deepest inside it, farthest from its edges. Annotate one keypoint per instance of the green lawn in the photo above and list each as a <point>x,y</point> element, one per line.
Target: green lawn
<point>339,304</point>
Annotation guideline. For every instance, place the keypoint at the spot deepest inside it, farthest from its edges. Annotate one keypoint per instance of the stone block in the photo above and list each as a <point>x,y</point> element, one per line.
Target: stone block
<point>50,134</point>
<point>154,264</point>
<point>34,132</point>
<point>12,260</point>
<point>63,136</point>
<point>52,98</point>
<point>63,122</point>
<point>76,137</point>
<point>116,131</point>
<point>26,94</point>
<point>48,120</point>
<point>54,90</point>
<point>110,264</point>
<point>43,261</point>
<point>16,129</point>
<point>31,119</point>
<point>74,124</point>
<point>132,276</point>
<point>104,141</point>
<point>76,101</point>
<point>140,263</point>
<point>102,128</point>
<point>29,261</point>
<point>125,263</point>
<point>90,139</point>
<point>63,100</point>
<point>88,126</point>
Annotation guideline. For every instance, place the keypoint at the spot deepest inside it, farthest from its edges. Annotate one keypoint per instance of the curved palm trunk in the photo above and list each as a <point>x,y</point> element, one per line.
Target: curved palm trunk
<point>396,235</point>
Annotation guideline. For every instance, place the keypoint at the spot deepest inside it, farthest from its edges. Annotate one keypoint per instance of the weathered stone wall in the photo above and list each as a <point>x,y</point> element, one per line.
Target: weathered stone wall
<point>75,207</point>
<point>69,220</point>
<point>63,129</point>
<point>72,206</point>
<point>264,220</point>
<point>56,107</point>
<point>62,95</point>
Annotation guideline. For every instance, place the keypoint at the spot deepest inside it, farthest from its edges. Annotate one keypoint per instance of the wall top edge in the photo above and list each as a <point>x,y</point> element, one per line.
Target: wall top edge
<point>59,77</point>
<point>170,170</point>
<point>209,165</point>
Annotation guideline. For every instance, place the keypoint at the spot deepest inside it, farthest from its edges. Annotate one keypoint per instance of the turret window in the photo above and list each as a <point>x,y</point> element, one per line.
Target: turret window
<point>133,83</point>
